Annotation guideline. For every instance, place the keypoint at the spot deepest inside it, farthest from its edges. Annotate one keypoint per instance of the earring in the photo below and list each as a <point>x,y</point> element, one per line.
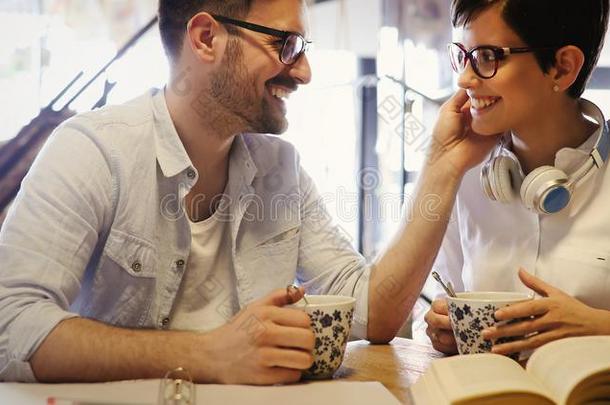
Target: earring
<point>556,88</point>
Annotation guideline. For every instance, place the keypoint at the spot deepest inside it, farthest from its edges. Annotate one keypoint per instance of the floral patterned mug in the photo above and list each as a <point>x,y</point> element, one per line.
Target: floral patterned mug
<point>471,312</point>
<point>331,321</point>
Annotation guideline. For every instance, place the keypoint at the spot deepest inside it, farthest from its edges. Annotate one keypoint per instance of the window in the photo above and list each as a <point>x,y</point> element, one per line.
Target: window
<point>61,41</point>
<point>323,126</point>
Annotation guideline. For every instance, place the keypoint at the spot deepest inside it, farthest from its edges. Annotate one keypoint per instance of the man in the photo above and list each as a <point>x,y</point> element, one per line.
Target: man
<point>171,213</point>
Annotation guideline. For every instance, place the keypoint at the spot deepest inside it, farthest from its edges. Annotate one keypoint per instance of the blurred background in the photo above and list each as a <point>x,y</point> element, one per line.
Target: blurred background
<point>380,73</point>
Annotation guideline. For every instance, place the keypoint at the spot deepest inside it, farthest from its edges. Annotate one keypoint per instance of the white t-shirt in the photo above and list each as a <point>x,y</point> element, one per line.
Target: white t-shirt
<point>207,297</point>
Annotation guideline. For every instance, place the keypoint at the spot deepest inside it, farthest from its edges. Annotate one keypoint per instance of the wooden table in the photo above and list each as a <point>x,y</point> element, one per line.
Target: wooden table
<point>397,365</point>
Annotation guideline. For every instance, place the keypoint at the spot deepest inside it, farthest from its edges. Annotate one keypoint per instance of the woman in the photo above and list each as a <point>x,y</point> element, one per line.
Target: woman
<point>540,201</point>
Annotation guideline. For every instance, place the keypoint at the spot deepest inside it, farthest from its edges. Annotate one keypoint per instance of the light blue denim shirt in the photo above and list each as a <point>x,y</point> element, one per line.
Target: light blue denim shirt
<point>98,229</point>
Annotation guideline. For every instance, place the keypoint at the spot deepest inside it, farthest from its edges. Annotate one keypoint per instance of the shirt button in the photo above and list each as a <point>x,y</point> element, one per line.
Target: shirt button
<point>180,263</point>
<point>136,266</point>
<point>164,322</point>
<point>191,174</point>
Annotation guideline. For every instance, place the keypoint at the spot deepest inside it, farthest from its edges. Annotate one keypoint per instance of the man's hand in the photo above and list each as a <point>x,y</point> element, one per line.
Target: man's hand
<point>439,327</point>
<point>264,344</point>
<point>555,316</point>
<point>453,140</point>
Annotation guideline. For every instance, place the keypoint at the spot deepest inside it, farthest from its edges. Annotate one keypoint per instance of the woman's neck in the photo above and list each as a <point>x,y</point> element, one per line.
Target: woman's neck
<point>561,126</point>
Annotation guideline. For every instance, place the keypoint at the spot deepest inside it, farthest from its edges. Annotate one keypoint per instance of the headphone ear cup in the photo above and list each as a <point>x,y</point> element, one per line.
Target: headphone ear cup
<point>538,184</point>
<point>485,181</point>
<point>506,179</point>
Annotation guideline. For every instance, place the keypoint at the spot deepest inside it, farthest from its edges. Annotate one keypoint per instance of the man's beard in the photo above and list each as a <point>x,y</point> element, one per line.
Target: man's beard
<point>234,90</point>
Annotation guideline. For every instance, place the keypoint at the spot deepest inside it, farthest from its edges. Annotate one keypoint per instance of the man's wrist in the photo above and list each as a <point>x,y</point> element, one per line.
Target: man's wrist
<point>199,359</point>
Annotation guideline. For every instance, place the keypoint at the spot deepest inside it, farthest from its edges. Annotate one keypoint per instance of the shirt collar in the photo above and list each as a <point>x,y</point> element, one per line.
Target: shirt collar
<point>566,159</point>
<point>241,160</point>
<point>171,155</point>
<point>569,159</point>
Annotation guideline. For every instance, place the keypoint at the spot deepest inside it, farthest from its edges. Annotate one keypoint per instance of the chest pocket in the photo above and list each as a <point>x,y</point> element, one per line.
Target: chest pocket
<point>125,282</point>
<point>582,273</point>
<point>282,244</point>
<point>273,263</point>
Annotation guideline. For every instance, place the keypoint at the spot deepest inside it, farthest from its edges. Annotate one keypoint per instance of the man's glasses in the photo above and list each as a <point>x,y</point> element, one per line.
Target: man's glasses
<point>293,44</point>
<point>484,59</point>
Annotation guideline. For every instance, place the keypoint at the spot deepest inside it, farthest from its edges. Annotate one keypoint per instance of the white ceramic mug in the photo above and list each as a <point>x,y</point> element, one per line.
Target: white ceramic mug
<point>331,321</point>
<point>471,312</point>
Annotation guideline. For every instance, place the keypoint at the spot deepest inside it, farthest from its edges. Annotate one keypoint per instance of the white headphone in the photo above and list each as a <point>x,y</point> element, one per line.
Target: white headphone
<point>547,189</point>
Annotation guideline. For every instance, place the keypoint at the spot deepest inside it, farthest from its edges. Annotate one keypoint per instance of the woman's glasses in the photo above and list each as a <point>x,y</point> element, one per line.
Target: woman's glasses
<point>293,44</point>
<point>484,59</point>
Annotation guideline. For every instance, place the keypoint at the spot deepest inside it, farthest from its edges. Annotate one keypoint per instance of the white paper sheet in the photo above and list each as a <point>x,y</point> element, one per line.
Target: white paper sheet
<point>145,392</point>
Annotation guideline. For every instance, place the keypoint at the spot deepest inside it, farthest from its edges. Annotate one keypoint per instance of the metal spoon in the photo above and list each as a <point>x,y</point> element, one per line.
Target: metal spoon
<point>448,289</point>
<point>294,287</point>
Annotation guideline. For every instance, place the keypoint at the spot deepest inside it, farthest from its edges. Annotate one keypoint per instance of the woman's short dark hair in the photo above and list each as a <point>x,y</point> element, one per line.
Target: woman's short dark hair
<point>548,23</point>
<point>174,16</point>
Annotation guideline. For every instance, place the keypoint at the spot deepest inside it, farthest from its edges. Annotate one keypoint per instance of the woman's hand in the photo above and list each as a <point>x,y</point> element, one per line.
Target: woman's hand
<point>453,141</point>
<point>555,316</point>
<point>439,327</point>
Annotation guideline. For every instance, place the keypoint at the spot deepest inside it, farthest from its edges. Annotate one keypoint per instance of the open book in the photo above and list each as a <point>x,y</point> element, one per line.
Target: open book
<point>568,371</point>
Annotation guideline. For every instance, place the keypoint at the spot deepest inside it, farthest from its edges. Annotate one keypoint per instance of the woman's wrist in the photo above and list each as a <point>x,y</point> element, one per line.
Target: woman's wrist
<point>442,170</point>
<point>602,322</point>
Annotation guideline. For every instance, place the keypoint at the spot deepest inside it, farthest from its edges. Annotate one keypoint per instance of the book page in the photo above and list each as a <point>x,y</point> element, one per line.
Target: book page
<point>323,392</point>
<point>427,390</point>
<point>596,389</point>
<point>481,375</point>
<point>563,364</point>
<point>145,392</point>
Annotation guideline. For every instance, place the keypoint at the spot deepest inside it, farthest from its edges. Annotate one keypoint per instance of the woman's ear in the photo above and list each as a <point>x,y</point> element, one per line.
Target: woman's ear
<point>205,37</point>
<point>569,61</point>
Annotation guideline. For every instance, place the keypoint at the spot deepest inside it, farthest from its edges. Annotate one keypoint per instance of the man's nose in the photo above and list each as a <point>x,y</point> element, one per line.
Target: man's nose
<point>301,70</point>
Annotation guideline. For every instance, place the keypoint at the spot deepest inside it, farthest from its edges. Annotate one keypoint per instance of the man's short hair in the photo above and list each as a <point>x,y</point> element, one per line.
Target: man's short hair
<point>548,23</point>
<point>174,16</point>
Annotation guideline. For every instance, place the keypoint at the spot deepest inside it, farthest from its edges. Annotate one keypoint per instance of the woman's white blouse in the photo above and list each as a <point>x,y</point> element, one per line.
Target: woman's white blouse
<point>487,241</point>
